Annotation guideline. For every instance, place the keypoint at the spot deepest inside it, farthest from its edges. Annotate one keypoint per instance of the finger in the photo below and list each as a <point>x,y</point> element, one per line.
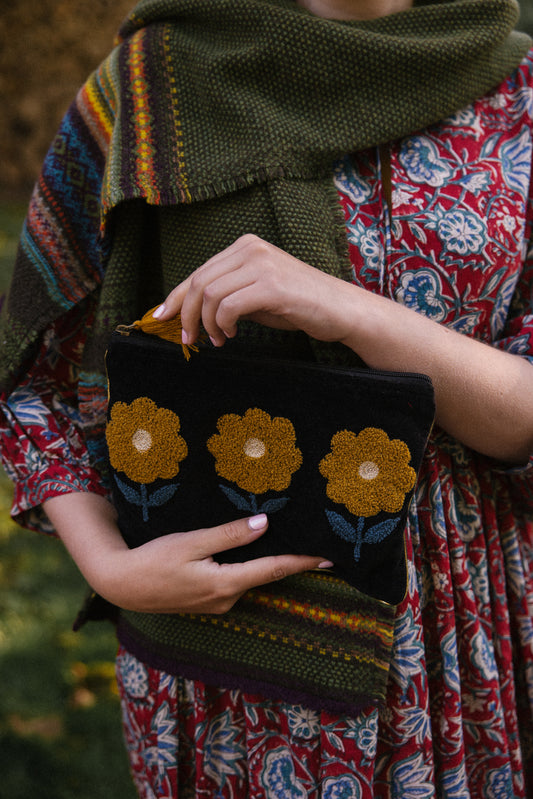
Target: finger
<point>260,571</point>
<point>172,304</point>
<point>222,300</point>
<point>206,289</point>
<point>239,532</point>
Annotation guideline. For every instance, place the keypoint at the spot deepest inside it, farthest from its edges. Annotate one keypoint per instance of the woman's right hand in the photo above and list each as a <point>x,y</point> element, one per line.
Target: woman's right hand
<point>172,574</point>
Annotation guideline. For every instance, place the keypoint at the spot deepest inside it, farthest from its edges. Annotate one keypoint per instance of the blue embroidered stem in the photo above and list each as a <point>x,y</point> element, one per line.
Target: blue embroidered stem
<point>359,539</point>
<point>144,501</point>
<point>253,503</point>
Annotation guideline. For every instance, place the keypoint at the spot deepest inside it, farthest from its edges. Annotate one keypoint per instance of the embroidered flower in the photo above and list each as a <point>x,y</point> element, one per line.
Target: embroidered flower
<point>254,451</point>
<point>368,473</point>
<point>144,441</point>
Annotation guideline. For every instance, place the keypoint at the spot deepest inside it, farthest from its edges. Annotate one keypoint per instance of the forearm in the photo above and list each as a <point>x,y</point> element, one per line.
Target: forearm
<point>86,524</point>
<point>484,396</point>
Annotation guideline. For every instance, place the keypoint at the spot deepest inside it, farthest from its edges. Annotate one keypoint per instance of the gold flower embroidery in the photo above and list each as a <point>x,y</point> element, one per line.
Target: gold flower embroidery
<point>369,472</point>
<point>144,441</point>
<point>254,451</point>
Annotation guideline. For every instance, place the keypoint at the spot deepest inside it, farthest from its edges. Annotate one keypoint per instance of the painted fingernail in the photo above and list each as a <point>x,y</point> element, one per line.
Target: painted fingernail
<point>257,522</point>
<point>326,564</point>
<point>159,311</point>
<point>184,337</point>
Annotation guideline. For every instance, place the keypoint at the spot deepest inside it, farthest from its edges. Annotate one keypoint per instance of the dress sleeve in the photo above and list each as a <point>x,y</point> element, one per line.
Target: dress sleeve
<point>43,449</point>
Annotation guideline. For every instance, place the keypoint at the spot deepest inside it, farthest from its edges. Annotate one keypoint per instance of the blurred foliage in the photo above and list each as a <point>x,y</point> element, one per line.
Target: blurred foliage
<point>526,16</point>
<point>60,728</point>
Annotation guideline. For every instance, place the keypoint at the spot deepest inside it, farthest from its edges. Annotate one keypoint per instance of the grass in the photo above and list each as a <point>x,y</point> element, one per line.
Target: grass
<point>60,729</point>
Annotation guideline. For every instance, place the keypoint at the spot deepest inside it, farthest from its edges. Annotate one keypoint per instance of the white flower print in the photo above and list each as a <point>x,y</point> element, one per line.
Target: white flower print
<point>499,783</point>
<point>420,158</point>
<point>345,787</point>
<point>224,753</point>
<point>482,655</point>
<point>368,239</point>
<point>350,183</point>
<point>412,778</point>
<point>516,161</point>
<point>279,777</point>
<point>134,676</point>
<point>421,290</point>
<point>303,723</point>
<point>462,232</point>
<point>497,100</point>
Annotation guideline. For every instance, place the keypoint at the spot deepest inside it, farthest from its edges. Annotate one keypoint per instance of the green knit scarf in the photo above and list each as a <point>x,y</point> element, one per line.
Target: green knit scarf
<point>230,114</point>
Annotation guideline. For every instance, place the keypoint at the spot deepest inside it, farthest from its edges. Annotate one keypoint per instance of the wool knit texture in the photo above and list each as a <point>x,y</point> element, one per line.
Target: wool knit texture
<point>201,99</point>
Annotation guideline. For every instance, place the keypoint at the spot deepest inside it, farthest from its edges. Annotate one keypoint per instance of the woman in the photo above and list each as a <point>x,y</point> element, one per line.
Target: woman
<point>437,225</point>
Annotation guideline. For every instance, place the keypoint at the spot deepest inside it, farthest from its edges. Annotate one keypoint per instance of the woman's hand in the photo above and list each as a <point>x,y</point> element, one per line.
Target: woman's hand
<point>172,574</point>
<point>484,396</point>
<point>254,280</point>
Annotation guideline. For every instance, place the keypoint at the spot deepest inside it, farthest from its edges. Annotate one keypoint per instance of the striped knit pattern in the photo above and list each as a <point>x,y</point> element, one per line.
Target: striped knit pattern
<point>311,639</point>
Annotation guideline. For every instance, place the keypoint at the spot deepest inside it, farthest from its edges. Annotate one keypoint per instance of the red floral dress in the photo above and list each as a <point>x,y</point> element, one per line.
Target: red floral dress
<point>454,246</point>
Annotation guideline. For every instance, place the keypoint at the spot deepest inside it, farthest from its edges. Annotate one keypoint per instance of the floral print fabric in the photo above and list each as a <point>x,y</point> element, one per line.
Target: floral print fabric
<point>458,722</point>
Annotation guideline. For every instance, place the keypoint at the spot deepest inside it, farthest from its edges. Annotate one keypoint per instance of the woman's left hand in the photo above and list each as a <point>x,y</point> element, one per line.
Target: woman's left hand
<point>255,280</point>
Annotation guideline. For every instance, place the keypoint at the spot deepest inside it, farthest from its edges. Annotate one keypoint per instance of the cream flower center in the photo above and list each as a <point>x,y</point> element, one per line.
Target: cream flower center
<point>142,440</point>
<point>254,448</point>
<point>368,470</point>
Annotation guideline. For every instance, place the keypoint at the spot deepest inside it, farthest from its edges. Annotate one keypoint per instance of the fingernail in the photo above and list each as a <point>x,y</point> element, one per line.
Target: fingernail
<point>184,337</point>
<point>326,564</point>
<point>159,311</point>
<point>228,335</point>
<point>257,522</point>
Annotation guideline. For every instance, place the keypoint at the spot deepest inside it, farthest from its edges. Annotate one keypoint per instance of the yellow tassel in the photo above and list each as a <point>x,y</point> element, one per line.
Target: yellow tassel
<point>170,330</point>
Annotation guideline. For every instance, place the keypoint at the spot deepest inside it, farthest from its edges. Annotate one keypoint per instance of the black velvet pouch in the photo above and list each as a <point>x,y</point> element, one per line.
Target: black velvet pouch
<point>331,455</point>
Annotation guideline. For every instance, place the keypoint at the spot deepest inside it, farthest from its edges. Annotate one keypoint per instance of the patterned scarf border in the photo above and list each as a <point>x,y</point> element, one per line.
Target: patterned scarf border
<point>314,651</point>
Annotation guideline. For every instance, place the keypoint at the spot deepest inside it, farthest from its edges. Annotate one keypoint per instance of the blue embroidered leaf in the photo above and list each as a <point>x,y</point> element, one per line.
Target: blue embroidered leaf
<point>236,499</point>
<point>272,505</point>
<point>162,495</point>
<point>130,493</point>
<point>340,526</point>
<point>380,531</point>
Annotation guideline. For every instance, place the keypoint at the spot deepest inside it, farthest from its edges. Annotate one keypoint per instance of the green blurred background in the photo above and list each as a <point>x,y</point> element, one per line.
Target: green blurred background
<point>60,735</point>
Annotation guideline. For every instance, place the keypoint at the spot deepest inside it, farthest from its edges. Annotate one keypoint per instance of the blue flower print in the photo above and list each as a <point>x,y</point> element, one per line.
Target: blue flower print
<point>482,656</point>
<point>412,779</point>
<point>516,162</point>
<point>368,240</point>
<point>223,751</point>
<point>421,290</point>
<point>346,787</point>
<point>420,159</point>
<point>462,232</point>
<point>303,723</point>
<point>499,784</point>
<point>465,118</point>
<point>134,676</point>
<point>350,183</point>
<point>279,778</point>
